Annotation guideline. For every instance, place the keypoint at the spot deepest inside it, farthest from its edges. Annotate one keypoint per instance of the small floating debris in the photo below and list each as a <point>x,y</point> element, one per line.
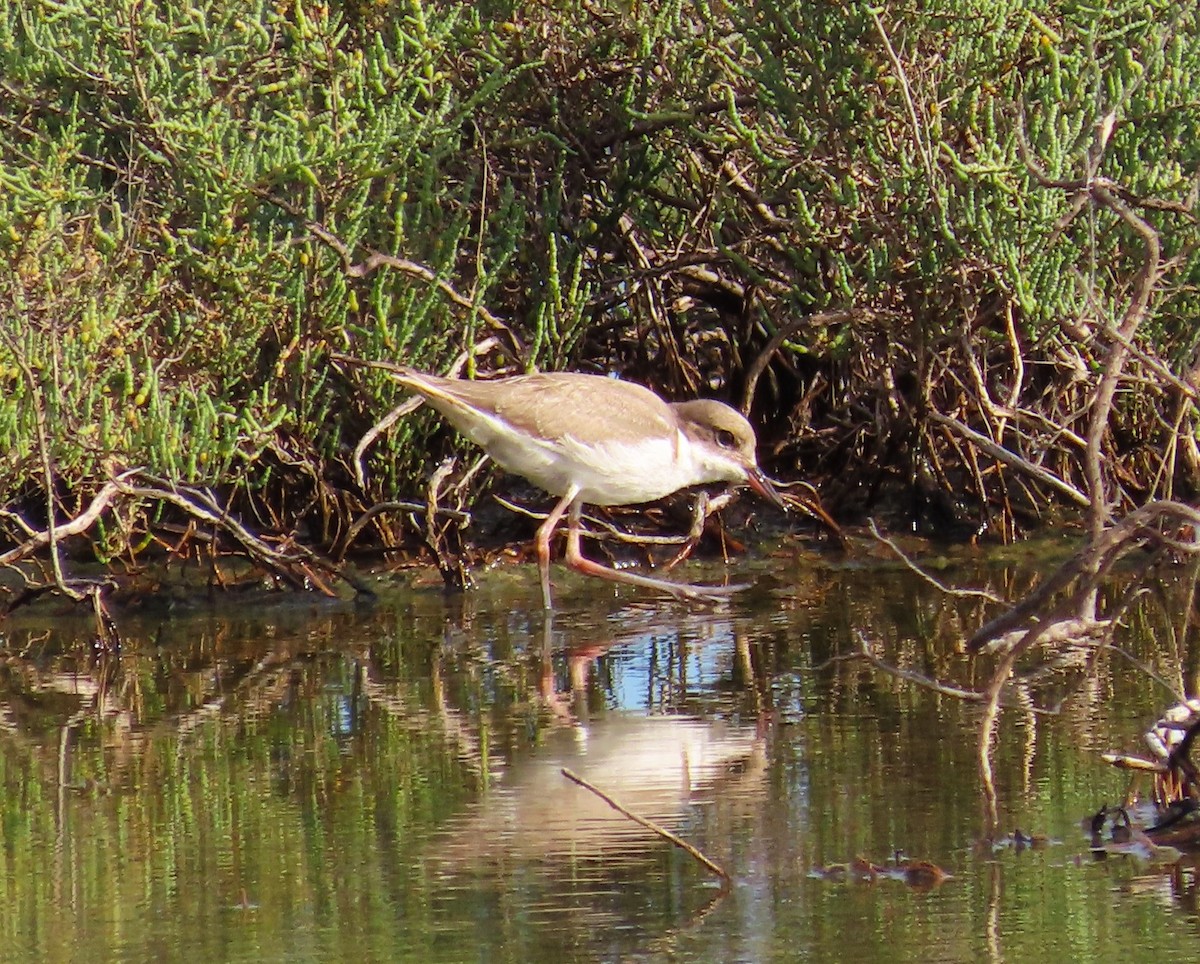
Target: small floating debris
<point>917,874</point>
<point>1019,840</point>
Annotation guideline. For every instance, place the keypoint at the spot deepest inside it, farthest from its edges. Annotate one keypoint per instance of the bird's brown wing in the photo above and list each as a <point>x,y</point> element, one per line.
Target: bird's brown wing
<point>557,405</point>
<point>553,405</point>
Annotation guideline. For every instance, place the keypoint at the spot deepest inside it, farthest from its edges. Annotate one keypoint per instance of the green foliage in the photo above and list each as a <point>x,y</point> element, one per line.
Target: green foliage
<point>183,187</point>
<point>160,164</point>
<point>891,196</point>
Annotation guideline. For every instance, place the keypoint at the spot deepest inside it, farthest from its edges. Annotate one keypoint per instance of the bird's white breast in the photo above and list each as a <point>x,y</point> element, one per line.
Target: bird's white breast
<point>605,473</point>
<point>619,474</point>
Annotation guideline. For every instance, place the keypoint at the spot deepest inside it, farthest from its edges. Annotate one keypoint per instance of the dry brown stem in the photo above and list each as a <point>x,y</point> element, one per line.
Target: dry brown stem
<point>1001,454</point>
<point>663,832</point>
<point>296,565</point>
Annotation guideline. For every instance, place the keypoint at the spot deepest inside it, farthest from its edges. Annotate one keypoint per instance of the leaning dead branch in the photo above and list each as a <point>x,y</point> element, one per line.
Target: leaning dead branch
<point>663,832</point>
<point>293,564</point>
<point>1155,525</point>
<point>1069,594</point>
<point>1009,458</point>
<point>1105,193</point>
<point>1072,591</point>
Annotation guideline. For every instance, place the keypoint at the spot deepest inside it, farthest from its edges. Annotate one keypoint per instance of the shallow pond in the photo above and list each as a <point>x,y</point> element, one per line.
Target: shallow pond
<point>291,780</point>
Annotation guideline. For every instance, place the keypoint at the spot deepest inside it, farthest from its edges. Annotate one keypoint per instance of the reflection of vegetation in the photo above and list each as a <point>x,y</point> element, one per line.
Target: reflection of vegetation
<point>308,782</point>
<point>273,781</point>
<point>198,778</point>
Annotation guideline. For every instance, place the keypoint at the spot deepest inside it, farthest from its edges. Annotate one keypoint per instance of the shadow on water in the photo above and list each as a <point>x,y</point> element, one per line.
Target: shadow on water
<point>312,781</point>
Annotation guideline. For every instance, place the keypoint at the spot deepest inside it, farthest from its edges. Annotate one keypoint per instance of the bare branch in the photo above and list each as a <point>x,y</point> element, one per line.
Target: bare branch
<point>1090,563</point>
<point>956,593</point>
<point>1001,454</point>
<point>663,832</point>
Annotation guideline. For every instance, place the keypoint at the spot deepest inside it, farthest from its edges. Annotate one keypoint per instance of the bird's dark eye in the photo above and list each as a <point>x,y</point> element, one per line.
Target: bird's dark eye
<point>725,439</point>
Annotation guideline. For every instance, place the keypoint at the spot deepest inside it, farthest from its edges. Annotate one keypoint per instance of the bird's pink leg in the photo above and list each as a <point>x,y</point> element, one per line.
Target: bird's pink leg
<point>544,534</point>
<point>577,561</point>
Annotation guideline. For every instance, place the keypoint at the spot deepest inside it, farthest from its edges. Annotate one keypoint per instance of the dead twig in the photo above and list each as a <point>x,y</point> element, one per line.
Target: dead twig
<point>957,593</point>
<point>652,826</point>
<point>1008,457</point>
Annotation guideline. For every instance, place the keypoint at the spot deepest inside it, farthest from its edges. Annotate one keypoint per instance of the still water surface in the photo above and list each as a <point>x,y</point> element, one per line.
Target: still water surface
<point>297,780</point>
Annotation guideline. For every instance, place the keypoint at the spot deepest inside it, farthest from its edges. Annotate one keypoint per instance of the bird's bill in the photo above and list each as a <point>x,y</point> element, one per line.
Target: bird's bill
<point>762,485</point>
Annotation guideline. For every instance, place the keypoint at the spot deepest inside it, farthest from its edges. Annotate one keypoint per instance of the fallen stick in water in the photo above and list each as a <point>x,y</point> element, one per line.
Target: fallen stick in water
<point>651,825</point>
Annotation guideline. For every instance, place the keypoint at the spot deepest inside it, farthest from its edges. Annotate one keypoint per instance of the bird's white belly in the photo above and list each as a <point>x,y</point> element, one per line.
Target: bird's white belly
<point>605,474</point>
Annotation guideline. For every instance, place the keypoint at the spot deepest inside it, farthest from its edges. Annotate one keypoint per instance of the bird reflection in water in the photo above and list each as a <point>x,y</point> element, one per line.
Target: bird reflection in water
<point>667,768</point>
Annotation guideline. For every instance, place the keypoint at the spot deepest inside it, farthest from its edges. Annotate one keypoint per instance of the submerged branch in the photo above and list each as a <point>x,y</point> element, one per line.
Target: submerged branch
<point>1092,562</point>
<point>939,586</point>
<point>652,826</point>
